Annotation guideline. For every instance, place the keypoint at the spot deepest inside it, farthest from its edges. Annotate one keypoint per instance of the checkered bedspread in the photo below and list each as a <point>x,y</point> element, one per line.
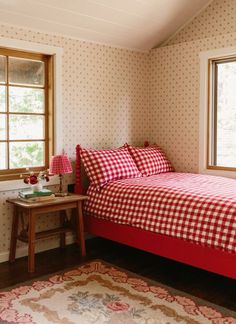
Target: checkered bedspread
<point>197,208</point>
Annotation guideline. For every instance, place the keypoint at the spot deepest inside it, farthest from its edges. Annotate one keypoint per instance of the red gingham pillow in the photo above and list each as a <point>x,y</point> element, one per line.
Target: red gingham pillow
<point>150,160</point>
<point>103,166</point>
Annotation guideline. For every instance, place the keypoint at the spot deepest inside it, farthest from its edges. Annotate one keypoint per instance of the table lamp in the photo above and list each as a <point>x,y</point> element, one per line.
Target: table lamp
<point>60,164</point>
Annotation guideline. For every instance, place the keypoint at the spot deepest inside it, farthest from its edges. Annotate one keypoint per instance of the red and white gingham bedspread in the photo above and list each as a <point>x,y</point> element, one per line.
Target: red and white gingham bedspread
<point>193,207</point>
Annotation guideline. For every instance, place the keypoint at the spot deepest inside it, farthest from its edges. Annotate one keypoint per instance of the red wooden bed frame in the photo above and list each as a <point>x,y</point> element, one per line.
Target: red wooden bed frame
<point>206,258</point>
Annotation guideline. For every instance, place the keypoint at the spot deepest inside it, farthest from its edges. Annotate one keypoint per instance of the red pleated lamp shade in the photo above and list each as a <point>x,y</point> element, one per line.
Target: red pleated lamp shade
<point>60,164</point>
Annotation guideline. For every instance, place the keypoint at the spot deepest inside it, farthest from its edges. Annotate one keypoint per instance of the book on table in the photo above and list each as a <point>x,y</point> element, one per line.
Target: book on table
<point>33,194</point>
<point>38,199</point>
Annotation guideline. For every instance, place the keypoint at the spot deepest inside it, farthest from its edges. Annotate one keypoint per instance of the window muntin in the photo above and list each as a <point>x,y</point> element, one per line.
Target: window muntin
<point>222,114</point>
<point>26,112</point>
<point>3,75</point>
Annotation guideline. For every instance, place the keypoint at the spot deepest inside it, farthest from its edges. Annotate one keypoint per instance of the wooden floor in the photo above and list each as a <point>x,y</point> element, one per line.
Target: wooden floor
<point>202,284</point>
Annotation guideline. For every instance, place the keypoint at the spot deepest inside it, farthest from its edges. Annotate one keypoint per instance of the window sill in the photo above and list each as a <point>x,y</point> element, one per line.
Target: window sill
<point>19,184</point>
<point>220,173</point>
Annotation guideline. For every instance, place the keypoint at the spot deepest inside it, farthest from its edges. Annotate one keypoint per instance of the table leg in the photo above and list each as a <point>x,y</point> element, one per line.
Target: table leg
<point>80,228</point>
<point>31,237</point>
<point>14,231</point>
<point>62,235</point>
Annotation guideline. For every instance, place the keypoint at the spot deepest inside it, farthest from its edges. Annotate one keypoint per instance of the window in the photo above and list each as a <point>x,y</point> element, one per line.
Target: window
<point>222,114</point>
<point>26,112</point>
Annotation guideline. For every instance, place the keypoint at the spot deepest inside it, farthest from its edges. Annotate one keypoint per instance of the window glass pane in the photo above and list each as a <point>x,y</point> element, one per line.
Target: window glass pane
<point>25,71</point>
<point>3,156</point>
<point>3,128</point>
<point>226,115</point>
<point>3,61</point>
<point>26,100</point>
<point>26,127</point>
<point>2,98</point>
<point>26,154</point>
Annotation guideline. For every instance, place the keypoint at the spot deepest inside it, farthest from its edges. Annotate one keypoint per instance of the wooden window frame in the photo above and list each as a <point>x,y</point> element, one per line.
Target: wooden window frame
<point>10,174</point>
<point>212,113</point>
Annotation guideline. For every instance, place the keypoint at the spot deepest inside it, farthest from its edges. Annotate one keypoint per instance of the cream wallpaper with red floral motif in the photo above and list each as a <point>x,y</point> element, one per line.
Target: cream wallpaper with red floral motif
<point>218,19</point>
<point>175,82</point>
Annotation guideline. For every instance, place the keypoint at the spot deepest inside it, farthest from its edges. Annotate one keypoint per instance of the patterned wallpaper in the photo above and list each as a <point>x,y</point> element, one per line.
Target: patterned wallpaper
<point>174,102</point>
<point>174,83</point>
<point>219,18</point>
<point>105,102</point>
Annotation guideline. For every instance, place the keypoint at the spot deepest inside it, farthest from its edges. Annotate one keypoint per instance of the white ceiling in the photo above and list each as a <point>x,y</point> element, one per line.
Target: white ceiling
<point>136,24</point>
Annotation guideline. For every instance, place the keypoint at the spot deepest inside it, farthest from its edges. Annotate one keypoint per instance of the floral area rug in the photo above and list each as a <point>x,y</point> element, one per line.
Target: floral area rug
<point>100,293</point>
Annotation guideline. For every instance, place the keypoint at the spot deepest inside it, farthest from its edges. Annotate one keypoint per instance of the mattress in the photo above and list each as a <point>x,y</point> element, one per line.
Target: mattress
<point>197,208</point>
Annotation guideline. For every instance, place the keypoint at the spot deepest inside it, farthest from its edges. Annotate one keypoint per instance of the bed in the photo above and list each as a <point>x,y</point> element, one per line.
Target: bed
<point>190,218</point>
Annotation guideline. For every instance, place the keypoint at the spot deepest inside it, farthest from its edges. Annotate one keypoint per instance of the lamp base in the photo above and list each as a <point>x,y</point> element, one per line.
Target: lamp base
<point>61,194</point>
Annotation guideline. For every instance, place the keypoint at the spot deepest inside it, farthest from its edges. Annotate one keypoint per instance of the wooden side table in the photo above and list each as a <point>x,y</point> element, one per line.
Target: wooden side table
<point>28,235</point>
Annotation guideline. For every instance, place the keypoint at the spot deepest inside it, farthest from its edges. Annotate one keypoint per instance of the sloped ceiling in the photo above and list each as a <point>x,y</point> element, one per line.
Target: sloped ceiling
<point>135,24</point>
